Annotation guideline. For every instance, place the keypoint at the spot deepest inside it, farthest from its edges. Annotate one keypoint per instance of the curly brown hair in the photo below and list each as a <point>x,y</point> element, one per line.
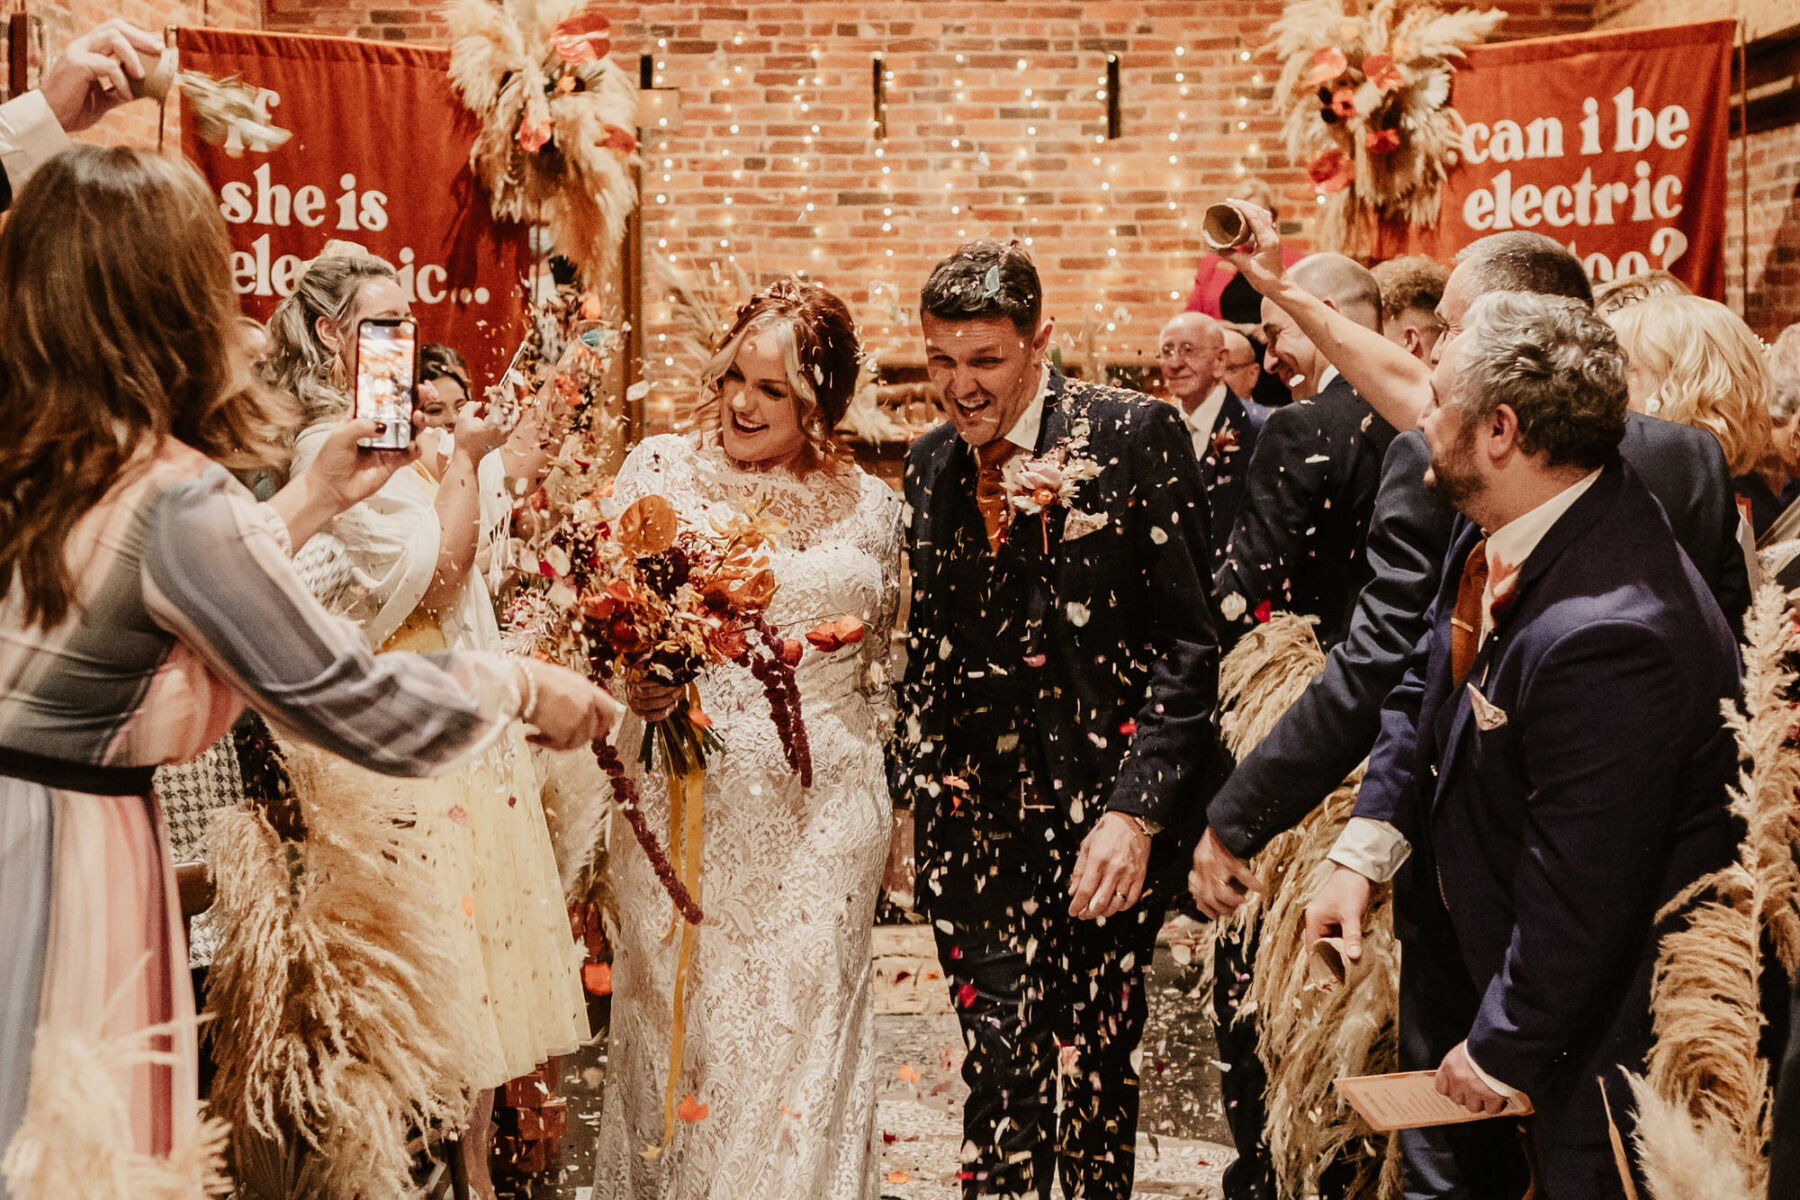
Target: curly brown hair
<point>819,339</point>
<point>120,328</point>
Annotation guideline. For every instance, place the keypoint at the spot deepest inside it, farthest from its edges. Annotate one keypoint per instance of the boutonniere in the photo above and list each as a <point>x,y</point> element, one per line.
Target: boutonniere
<point>1047,481</point>
<point>1224,441</point>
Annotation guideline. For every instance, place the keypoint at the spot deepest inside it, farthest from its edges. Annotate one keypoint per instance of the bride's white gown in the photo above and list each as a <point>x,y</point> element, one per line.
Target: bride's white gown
<point>780,1025</point>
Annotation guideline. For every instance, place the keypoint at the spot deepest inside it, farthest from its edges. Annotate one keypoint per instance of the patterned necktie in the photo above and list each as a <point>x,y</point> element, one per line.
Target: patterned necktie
<point>990,490</point>
<point>1465,621</point>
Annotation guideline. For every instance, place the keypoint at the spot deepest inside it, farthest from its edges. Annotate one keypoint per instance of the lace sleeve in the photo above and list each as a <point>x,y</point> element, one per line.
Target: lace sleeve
<point>653,468</point>
<point>881,534</point>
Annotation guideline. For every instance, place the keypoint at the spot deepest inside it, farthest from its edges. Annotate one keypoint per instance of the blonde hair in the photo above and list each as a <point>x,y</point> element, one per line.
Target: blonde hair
<point>299,363</point>
<point>817,337</point>
<point>1705,369</point>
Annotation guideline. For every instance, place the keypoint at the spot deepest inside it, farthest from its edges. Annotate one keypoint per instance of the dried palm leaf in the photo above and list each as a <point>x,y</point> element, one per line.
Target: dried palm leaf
<point>339,1029</point>
<point>1705,1088</point>
<point>76,1141</point>
<point>1306,1037</point>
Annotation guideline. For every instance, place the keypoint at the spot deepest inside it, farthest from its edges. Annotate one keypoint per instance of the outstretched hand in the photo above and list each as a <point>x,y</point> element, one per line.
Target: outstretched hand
<point>570,711</point>
<point>1259,261</point>
<point>94,74</point>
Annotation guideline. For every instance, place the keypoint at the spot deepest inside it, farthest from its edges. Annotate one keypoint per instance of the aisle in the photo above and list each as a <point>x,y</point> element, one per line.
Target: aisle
<point>920,1100</point>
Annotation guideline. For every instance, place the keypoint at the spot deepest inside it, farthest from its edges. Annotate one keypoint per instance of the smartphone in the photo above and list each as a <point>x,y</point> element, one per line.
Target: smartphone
<point>387,364</point>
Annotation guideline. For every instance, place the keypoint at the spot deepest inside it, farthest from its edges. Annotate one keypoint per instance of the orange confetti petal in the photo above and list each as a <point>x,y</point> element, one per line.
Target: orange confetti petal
<point>468,906</point>
<point>690,1109</point>
<point>908,1073</point>
<point>898,1177</point>
<point>597,978</point>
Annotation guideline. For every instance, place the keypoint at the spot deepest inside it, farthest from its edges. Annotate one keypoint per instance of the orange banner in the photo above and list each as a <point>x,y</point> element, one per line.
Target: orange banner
<point>379,156</point>
<point>1611,143</point>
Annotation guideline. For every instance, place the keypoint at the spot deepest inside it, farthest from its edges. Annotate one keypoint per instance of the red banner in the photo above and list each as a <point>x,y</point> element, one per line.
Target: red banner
<point>379,156</point>
<point>1611,143</point>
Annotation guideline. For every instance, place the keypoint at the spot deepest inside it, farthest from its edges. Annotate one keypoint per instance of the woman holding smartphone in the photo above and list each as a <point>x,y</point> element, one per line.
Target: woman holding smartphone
<point>402,565</point>
<point>145,597</point>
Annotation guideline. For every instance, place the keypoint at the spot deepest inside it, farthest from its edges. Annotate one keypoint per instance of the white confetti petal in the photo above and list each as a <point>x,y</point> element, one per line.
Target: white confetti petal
<point>1078,613</point>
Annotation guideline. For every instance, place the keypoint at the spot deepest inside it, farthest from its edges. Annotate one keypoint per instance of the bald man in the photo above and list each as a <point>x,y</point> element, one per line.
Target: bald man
<point>1243,366</point>
<point>1297,544</point>
<point>1224,427</point>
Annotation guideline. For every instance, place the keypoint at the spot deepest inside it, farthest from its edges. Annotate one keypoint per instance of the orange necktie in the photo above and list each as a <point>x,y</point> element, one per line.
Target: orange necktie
<point>1465,621</point>
<point>990,491</point>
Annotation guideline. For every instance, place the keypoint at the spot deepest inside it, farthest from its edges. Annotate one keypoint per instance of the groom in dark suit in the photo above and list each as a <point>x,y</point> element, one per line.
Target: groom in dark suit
<point>1056,735</point>
<point>1553,768</point>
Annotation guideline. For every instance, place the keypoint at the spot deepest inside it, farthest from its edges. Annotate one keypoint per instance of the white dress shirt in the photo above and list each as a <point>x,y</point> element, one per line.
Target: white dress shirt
<point>29,137</point>
<point>1205,416</point>
<point>1024,433</point>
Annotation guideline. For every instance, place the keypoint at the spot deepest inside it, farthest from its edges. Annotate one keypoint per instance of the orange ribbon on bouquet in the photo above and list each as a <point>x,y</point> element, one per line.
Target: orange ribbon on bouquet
<point>685,835</point>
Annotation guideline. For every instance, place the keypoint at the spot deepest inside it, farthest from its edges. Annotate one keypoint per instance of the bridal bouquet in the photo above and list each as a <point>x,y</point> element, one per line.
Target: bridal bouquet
<point>635,594</point>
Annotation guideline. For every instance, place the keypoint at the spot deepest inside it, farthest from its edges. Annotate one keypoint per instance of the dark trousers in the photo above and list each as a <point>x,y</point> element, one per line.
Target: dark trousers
<point>1051,1009</point>
<point>1242,1082</point>
<point>1482,1160</point>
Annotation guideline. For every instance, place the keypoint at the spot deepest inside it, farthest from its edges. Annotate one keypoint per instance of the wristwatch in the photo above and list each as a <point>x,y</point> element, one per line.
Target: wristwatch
<point>1148,828</point>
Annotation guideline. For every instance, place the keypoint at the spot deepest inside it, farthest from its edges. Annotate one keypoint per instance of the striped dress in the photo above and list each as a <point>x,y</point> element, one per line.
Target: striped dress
<point>187,609</point>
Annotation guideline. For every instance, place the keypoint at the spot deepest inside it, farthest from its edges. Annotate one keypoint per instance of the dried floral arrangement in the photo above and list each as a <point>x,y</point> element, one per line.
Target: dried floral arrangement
<point>1703,1104</point>
<point>633,593</point>
<point>556,119</point>
<point>341,1032</point>
<point>1366,94</point>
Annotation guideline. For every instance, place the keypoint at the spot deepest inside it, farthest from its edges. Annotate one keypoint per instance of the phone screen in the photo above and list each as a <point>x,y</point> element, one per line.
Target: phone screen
<point>386,361</point>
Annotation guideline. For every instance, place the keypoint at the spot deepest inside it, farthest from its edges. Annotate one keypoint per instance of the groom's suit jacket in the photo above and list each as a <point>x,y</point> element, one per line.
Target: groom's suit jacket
<point>1560,796</point>
<point>1118,622</point>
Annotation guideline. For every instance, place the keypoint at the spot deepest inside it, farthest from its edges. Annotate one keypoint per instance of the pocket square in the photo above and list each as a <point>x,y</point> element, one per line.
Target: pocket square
<point>1079,524</point>
<point>1488,716</point>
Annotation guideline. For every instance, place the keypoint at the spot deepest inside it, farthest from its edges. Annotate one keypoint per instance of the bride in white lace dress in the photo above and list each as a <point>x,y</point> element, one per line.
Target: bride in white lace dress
<point>779,1052</point>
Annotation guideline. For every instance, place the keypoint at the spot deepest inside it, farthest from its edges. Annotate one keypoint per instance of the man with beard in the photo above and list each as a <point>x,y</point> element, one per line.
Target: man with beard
<point>1332,725</point>
<point>1553,769</point>
<point>1056,736</point>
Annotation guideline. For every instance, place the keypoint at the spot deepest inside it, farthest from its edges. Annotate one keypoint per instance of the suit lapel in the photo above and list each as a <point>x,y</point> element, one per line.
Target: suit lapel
<point>1582,514</point>
<point>944,471</point>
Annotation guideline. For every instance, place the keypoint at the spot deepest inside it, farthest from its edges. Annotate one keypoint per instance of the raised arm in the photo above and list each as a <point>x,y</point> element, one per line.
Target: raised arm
<point>1396,385</point>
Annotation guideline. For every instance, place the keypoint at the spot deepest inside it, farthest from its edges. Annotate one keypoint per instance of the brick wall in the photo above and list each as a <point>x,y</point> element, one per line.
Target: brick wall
<point>136,124</point>
<point>994,128</point>
<point>1772,299</point>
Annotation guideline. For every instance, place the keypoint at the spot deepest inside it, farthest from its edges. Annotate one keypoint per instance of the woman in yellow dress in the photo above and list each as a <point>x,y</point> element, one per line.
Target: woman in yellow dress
<point>403,565</point>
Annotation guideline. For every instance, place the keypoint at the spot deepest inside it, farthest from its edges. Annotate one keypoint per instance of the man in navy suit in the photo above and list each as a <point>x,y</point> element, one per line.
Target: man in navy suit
<point>1223,425</point>
<point>1298,542</point>
<point>1553,769</point>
